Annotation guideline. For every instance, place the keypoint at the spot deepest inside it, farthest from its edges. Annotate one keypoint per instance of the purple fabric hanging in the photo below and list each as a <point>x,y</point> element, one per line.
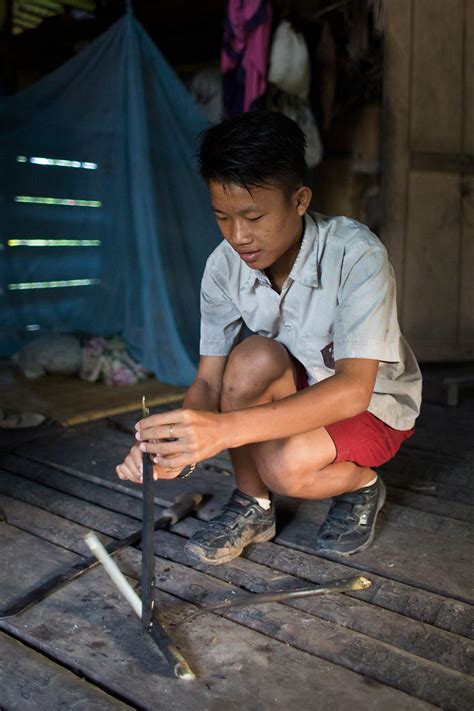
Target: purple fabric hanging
<point>244,57</point>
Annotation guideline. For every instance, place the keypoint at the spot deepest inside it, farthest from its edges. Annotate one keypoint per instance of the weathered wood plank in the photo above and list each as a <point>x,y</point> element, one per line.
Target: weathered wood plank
<point>422,467</point>
<point>468,137</point>
<point>444,442</point>
<point>392,514</point>
<point>107,447</point>
<point>359,652</point>
<point>436,81</point>
<point>426,607</point>
<point>378,661</point>
<point>405,474</point>
<point>467,188</point>
<point>441,417</point>
<point>99,637</point>
<point>30,681</point>
<point>401,565</point>
<point>412,636</point>
<point>395,132</point>
<point>434,211</point>
<point>430,608</point>
<point>97,451</point>
<point>421,495</point>
<point>332,642</point>
<point>49,526</point>
<point>466,321</point>
<point>110,492</point>
<point>435,609</point>
<point>353,613</point>
<point>26,561</point>
<point>433,564</point>
<point>388,563</point>
<point>205,481</point>
<point>459,419</point>
<point>71,507</point>
<point>431,504</point>
<point>9,439</point>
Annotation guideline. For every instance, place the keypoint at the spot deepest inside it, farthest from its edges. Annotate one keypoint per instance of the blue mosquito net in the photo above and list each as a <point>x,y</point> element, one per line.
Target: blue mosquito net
<point>105,223</point>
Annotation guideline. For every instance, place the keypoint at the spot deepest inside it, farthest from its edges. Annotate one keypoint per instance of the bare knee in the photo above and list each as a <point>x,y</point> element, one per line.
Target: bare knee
<point>276,471</point>
<point>282,481</point>
<point>252,367</point>
<point>287,468</point>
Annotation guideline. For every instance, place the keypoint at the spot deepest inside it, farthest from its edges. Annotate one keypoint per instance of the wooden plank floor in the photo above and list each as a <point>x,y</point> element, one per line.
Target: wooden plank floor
<point>406,643</point>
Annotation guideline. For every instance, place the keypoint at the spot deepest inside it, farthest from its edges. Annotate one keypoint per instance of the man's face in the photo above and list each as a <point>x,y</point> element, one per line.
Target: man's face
<point>263,225</point>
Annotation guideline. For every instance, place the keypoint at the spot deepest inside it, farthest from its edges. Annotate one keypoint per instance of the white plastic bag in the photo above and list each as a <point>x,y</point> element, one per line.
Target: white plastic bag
<point>289,61</point>
<point>299,110</point>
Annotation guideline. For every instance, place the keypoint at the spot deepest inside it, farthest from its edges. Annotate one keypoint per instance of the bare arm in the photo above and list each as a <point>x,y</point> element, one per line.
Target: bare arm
<point>346,394</point>
<point>203,434</point>
<point>205,392</point>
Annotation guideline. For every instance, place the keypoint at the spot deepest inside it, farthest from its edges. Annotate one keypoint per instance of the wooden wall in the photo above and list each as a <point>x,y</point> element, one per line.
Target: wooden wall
<point>428,177</point>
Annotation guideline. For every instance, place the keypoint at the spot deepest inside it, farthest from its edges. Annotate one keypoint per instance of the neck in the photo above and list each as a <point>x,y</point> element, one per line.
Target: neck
<point>279,270</point>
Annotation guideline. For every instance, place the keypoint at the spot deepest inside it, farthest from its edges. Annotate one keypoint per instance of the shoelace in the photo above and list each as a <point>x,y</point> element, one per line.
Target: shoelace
<point>229,513</point>
<point>342,514</point>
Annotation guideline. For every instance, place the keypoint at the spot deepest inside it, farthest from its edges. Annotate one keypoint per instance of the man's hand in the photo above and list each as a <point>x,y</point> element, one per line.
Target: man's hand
<point>131,467</point>
<point>197,435</point>
<point>194,426</point>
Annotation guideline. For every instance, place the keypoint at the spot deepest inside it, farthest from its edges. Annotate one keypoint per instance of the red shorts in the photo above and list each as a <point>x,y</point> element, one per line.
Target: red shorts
<point>363,439</point>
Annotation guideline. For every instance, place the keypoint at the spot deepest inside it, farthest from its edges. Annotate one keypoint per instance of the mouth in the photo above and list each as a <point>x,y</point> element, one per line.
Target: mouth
<point>250,256</point>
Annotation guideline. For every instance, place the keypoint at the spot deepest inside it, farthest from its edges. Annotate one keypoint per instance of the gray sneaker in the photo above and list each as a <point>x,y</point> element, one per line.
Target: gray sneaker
<point>350,523</point>
<point>242,521</point>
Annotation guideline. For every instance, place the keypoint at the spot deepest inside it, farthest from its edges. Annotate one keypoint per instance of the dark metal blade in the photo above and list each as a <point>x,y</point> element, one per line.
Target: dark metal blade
<point>177,663</point>
<point>148,529</point>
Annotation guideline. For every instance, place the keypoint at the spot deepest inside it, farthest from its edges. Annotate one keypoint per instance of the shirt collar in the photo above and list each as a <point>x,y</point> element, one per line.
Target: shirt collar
<point>305,268</point>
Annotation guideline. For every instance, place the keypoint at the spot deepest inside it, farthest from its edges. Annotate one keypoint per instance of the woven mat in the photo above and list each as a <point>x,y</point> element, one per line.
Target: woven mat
<point>70,401</point>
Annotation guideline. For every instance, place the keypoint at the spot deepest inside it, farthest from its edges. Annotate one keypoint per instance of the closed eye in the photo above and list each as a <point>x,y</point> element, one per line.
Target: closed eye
<point>254,219</point>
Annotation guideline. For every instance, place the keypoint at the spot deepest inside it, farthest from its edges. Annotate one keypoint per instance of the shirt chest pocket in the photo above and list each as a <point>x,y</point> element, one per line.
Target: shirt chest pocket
<point>319,349</point>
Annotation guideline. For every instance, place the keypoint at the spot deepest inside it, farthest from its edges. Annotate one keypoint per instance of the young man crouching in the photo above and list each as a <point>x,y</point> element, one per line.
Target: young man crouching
<point>325,389</point>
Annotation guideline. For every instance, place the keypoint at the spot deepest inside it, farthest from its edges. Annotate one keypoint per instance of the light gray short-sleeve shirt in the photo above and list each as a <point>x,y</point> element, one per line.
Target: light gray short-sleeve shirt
<point>339,301</point>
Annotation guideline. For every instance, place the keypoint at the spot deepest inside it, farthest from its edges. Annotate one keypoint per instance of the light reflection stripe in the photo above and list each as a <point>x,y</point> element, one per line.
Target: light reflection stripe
<point>21,286</point>
<point>57,201</point>
<point>54,243</point>
<point>62,163</point>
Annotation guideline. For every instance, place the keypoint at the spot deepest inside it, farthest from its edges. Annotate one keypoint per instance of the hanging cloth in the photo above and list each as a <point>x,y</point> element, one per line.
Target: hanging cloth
<point>106,223</point>
<point>244,57</point>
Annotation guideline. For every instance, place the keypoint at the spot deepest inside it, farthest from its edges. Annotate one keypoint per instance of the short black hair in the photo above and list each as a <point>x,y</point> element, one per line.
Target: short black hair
<point>255,149</point>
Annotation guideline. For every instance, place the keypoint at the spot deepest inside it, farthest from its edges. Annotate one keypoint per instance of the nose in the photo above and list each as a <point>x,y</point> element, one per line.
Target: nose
<point>239,233</point>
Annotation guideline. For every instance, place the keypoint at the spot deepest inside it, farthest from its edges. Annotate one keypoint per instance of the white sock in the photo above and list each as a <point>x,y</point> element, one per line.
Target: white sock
<point>371,482</point>
<point>264,503</point>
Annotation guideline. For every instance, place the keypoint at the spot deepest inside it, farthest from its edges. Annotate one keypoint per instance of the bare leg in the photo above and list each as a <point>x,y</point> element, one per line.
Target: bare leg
<point>260,370</point>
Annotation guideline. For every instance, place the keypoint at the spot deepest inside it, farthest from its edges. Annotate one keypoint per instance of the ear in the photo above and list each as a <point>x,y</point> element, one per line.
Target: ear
<point>302,199</point>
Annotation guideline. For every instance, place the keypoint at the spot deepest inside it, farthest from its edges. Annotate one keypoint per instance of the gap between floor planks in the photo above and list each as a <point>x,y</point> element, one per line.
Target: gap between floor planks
<point>375,659</point>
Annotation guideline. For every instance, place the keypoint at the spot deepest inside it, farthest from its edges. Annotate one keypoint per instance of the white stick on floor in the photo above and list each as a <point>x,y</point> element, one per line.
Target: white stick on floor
<point>111,567</point>
<point>178,663</point>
